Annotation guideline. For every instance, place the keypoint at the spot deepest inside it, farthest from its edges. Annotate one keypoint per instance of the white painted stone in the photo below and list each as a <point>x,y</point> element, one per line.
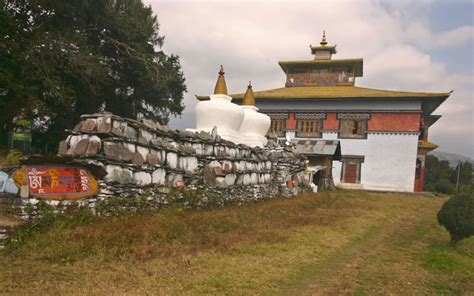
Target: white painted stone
<point>191,164</point>
<point>230,179</point>
<point>220,182</point>
<point>146,135</point>
<point>247,179</point>
<point>242,165</point>
<point>172,160</point>
<point>159,177</point>
<point>249,166</point>
<point>268,165</point>
<point>131,147</point>
<point>208,150</point>
<point>118,174</point>
<point>254,178</point>
<point>33,201</point>
<point>143,151</point>
<point>198,148</point>
<point>141,178</point>
<point>215,163</point>
<point>53,203</point>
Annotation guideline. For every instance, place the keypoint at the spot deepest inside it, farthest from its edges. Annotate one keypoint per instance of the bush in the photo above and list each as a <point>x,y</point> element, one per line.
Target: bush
<point>13,157</point>
<point>457,216</point>
<point>444,186</point>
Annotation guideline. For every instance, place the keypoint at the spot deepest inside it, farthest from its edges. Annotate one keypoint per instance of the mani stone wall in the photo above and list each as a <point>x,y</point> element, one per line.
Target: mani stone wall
<point>148,164</point>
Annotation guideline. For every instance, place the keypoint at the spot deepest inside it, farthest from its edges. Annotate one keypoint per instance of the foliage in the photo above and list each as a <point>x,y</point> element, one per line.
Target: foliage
<point>440,177</point>
<point>444,186</point>
<point>13,157</point>
<point>457,216</point>
<point>60,59</point>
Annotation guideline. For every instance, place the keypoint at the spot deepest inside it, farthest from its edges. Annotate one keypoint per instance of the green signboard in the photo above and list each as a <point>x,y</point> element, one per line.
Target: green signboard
<point>25,137</point>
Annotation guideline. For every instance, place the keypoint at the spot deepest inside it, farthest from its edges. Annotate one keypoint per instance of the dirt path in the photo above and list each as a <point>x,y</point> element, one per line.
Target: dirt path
<point>384,256</point>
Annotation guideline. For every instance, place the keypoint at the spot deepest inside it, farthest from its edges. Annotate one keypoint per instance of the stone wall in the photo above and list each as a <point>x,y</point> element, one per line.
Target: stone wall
<point>150,166</point>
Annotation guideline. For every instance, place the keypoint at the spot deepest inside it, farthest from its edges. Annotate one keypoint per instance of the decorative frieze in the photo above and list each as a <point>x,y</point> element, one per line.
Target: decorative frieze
<point>353,116</point>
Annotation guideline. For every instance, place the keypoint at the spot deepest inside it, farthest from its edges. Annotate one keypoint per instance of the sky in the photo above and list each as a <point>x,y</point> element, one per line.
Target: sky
<point>406,45</point>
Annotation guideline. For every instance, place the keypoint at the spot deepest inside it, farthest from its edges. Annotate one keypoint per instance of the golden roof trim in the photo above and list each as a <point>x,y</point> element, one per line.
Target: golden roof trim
<point>427,145</point>
<point>335,92</point>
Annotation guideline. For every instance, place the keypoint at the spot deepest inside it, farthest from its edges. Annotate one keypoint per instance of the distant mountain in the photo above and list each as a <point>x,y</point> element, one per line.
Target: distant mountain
<point>452,158</point>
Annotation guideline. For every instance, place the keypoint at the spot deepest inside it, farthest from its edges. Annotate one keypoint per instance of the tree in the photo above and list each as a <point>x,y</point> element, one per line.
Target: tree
<point>436,171</point>
<point>67,58</point>
<point>457,216</point>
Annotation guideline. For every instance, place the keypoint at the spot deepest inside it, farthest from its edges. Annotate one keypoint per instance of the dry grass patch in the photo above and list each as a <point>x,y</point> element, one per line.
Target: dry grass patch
<point>332,243</point>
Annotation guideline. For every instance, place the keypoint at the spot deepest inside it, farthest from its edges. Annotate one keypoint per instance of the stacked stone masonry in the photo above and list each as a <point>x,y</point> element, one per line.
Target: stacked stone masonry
<point>150,166</point>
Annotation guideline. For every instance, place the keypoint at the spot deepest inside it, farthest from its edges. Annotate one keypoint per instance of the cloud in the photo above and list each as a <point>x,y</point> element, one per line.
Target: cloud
<point>394,38</point>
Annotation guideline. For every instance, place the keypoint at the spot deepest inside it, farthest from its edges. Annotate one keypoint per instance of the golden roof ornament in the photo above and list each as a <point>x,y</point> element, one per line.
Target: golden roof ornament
<point>221,87</point>
<point>249,97</point>
<point>323,41</point>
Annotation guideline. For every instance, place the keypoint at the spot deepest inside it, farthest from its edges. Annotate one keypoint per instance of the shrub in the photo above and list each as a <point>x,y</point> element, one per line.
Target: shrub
<point>444,186</point>
<point>457,216</point>
<point>13,157</point>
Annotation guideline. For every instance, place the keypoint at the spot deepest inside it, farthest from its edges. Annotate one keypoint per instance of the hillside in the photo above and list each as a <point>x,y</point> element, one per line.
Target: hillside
<point>326,243</point>
<point>452,158</point>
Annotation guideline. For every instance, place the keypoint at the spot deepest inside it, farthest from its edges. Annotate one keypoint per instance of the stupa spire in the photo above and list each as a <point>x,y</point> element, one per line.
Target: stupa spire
<point>221,87</point>
<point>249,97</point>
<point>323,41</point>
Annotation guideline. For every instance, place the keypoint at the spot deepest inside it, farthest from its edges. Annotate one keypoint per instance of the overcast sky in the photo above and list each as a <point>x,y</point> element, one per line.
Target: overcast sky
<point>406,45</point>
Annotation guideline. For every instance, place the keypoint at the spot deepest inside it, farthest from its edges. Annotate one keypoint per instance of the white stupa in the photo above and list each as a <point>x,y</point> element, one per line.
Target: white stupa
<point>255,125</point>
<point>220,112</point>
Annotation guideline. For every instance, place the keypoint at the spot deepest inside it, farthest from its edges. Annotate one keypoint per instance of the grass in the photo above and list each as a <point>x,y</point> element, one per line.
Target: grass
<point>344,242</point>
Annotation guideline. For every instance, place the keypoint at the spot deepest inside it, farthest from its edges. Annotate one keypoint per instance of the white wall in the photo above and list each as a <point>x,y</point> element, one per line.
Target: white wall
<point>390,159</point>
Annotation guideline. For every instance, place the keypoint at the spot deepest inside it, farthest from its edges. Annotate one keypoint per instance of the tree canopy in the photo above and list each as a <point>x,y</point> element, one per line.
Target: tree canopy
<point>60,59</point>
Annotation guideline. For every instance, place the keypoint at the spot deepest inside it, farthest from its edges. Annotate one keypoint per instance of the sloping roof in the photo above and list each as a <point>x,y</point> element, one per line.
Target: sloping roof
<point>431,119</point>
<point>356,63</point>
<point>427,145</point>
<point>430,101</point>
<point>331,48</point>
<point>334,92</point>
<point>318,147</point>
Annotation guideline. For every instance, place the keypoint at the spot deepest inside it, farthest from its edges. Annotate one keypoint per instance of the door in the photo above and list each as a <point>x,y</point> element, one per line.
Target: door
<point>351,171</point>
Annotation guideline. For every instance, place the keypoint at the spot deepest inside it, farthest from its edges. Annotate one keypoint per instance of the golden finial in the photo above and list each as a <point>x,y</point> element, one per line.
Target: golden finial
<point>324,42</point>
<point>249,97</point>
<point>221,87</point>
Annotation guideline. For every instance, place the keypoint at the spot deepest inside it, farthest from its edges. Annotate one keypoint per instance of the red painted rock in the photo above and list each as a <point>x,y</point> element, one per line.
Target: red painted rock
<point>179,184</point>
<point>217,170</point>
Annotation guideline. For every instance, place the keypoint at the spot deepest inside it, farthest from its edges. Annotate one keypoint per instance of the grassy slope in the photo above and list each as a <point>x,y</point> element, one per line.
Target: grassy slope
<point>336,243</point>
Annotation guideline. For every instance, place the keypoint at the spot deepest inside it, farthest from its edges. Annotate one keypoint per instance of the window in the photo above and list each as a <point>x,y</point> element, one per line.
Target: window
<point>278,127</point>
<point>353,125</point>
<point>351,169</point>
<point>309,128</point>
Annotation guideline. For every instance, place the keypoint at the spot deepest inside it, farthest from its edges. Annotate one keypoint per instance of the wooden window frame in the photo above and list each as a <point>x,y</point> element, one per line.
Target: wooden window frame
<point>281,125</point>
<point>305,124</point>
<point>359,121</point>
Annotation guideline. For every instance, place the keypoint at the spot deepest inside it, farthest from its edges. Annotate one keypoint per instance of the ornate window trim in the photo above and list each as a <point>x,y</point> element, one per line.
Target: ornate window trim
<point>353,116</point>
<point>310,115</point>
<point>277,115</point>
